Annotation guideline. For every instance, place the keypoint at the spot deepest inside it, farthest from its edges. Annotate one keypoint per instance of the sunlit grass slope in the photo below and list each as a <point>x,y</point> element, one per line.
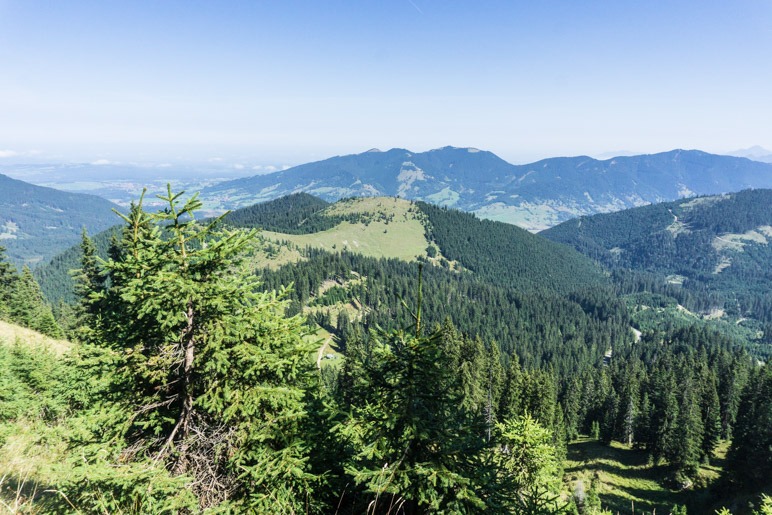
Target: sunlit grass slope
<point>12,333</point>
<point>625,480</point>
<point>388,227</point>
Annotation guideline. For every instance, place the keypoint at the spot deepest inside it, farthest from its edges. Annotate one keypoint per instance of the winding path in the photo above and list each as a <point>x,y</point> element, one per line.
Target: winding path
<point>320,354</point>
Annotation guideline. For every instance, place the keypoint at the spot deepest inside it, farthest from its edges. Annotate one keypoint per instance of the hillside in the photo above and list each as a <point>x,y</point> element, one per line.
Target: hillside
<point>382,227</point>
<point>54,275</point>
<point>373,226</point>
<point>716,249</point>
<point>479,270</point>
<point>37,222</point>
<point>534,196</point>
<point>291,214</point>
<point>11,334</point>
<point>376,226</point>
<point>359,255</point>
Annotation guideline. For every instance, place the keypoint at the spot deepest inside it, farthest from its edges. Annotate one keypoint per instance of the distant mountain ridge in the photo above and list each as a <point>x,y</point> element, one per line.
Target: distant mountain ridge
<point>534,196</point>
<point>38,222</point>
<point>756,153</point>
<point>714,246</point>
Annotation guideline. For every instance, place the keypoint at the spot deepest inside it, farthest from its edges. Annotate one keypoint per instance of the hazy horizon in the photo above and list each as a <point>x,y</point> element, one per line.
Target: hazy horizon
<point>262,84</point>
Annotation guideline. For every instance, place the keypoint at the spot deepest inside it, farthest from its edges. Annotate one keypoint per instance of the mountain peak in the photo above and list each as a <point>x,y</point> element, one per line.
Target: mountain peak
<point>756,153</point>
<point>755,150</point>
<point>471,150</point>
<point>534,196</point>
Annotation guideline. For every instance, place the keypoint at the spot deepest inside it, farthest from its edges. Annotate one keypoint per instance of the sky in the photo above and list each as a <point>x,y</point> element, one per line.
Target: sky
<point>292,82</point>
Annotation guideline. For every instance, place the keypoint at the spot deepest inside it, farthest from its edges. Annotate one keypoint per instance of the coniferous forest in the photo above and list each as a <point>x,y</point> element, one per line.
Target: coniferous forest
<point>489,375</point>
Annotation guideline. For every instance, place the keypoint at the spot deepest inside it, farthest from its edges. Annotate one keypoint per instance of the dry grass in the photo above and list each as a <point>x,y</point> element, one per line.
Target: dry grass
<point>10,333</point>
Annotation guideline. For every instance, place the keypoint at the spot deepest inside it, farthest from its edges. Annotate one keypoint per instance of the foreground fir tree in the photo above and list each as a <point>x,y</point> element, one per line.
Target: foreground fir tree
<point>421,440</point>
<point>214,377</point>
<point>414,442</point>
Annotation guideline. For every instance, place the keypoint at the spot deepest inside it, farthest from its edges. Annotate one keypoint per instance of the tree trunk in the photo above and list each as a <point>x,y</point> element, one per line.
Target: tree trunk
<point>187,391</point>
<point>181,428</point>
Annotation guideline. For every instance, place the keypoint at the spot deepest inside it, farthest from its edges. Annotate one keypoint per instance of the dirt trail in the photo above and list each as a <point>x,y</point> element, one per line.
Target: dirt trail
<point>320,354</point>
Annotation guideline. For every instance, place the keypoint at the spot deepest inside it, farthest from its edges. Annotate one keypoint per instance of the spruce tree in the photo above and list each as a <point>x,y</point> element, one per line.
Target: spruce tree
<point>473,371</point>
<point>28,308</point>
<point>663,420</point>
<point>89,278</point>
<point>686,450</point>
<point>572,411</point>
<point>610,413</point>
<point>711,414</point>
<point>415,442</point>
<point>89,282</point>
<point>750,456</point>
<point>529,469</point>
<point>512,402</point>
<point>214,376</point>
<point>8,276</point>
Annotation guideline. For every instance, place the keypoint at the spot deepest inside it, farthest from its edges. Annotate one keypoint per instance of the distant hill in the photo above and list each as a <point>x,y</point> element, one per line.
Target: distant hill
<point>756,153</point>
<point>389,227</point>
<point>37,222</point>
<point>121,183</point>
<point>534,196</point>
<point>718,248</point>
<point>381,227</point>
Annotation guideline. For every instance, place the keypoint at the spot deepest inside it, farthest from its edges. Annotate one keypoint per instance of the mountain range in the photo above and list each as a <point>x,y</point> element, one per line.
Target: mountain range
<point>38,222</point>
<point>534,196</point>
<point>711,253</point>
<point>756,152</point>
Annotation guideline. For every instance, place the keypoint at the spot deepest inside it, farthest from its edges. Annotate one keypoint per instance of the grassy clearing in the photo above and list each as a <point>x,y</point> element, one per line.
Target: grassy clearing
<point>32,457</point>
<point>273,254</point>
<point>530,218</point>
<point>32,449</point>
<point>10,333</point>
<point>388,205</point>
<point>625,479</point>
<point>399,233</point>
<point>401,239</point>
<point>651,312</point>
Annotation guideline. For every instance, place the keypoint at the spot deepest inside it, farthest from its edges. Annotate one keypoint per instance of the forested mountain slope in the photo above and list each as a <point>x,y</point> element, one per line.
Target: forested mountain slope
<point>55,276</point>
<point>388,227</point>
<point>291,215</point>
<point>477,269</point>
<point>534,196</point>
<point>558,305</point>
<point>493,251</point>
<point>505,254</point>
<point>36,222</point>
<point>718,249</point>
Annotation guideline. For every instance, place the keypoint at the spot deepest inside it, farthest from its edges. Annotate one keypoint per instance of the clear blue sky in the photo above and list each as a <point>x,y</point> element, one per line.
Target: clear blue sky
<point>287,81</point>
